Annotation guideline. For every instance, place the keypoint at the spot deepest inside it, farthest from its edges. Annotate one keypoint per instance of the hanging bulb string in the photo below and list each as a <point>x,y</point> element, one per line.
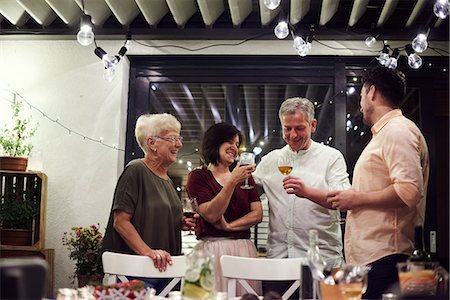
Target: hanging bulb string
<point>57,121</point>
<point>344,48</point>
<point>204,47</point>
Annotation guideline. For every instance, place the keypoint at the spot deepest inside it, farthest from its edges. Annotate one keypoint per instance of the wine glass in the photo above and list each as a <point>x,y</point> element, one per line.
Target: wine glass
<point>353,281</point>
<point>189,209</point>
<point>247,158</point>
<point>285,165</point>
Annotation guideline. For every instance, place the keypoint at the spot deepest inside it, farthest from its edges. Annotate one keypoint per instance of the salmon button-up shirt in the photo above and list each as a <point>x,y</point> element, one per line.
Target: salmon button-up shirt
<point>397,155</point>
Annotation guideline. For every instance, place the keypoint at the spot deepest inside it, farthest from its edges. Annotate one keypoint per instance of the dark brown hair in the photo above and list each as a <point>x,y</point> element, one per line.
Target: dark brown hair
<point>215,136</point>
<point>390,83</point>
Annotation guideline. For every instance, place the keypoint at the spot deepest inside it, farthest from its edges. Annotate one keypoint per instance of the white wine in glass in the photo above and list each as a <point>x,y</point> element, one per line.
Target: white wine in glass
<point>285,165</point>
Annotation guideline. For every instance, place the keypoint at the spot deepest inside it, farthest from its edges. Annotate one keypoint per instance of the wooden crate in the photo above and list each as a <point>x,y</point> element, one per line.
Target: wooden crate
<point>47,254</point>
<point>27,185</point>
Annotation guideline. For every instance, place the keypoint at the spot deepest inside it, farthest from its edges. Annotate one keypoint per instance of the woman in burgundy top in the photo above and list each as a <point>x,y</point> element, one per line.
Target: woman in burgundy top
<point>227,211</point>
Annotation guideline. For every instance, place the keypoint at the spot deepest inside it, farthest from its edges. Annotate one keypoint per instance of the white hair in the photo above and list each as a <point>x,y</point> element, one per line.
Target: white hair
<point>149,125</point>
<point>293,105</point>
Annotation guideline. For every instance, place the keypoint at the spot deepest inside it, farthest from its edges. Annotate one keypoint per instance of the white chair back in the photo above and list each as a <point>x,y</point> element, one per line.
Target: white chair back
<point>240,269</point>
<point>118,265</point>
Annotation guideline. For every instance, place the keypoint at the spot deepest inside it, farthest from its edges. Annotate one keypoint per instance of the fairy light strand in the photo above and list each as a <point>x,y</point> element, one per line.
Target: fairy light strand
<point>58,122</point>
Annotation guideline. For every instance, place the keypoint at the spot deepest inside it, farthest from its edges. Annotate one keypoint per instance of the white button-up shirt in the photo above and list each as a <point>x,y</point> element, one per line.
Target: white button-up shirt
<point>291,217</point>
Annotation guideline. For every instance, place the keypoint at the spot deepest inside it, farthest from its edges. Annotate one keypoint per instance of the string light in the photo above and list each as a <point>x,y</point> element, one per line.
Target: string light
<point>441,8</point>
<point>414,60</point>
<point>58,122</point>
<point>85,35</point>
<point>370,41</point>
<point>110,62</point>
<point>419,44</point>
<point>272,4</point>
<point>392,62</point>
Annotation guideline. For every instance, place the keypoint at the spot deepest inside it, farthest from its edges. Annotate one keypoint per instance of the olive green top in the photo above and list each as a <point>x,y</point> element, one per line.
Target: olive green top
<point>155,208</point>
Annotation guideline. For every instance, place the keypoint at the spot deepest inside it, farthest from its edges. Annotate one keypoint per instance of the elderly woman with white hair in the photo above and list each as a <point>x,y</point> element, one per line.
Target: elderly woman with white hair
<point>146,214</point>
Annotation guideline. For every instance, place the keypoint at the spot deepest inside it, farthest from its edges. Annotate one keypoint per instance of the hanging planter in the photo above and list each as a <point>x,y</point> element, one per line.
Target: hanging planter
<point>13,163</point>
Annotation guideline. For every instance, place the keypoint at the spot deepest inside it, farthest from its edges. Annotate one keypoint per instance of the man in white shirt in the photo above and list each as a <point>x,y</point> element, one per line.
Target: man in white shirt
<point>297,203</point>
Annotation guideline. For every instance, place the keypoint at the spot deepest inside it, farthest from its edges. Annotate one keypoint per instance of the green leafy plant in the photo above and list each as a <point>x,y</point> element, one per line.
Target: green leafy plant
<point>15,141</point>
<point>19,206</point>
<point>17,213</point>
<point>85,244</point>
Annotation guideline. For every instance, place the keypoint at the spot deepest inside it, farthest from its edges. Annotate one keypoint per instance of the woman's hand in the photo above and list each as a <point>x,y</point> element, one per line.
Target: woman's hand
<point>160,258</point>
<point>240,173</point>
<point>189,224</point>
<point>222,224</point>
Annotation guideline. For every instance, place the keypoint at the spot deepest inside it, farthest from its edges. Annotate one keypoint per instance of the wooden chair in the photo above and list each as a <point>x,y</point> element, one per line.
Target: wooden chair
<point>240,269</point>
<point>118,265</point>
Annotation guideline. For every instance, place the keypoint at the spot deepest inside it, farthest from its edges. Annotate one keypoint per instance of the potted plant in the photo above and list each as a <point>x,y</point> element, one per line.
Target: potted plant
<point>15,141</point>
<point>85,244</point>
<point>19,212</point>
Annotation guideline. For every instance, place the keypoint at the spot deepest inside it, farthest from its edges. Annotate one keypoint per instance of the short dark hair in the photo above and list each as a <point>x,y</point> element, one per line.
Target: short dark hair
<point>390,83</point>
<point>215,136</point>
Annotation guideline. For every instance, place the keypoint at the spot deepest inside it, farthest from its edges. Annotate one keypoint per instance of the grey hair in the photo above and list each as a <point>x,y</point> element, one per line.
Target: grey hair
<point>292,105</point>
<point>148,125</point>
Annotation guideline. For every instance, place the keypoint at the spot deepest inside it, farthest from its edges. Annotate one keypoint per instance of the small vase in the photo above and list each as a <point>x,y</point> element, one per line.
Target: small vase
<point>94,280</point>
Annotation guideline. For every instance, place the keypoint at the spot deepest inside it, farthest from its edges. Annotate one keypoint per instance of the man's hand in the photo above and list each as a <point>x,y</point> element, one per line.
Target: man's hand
<point>343,200</point>
<point>296,186</point>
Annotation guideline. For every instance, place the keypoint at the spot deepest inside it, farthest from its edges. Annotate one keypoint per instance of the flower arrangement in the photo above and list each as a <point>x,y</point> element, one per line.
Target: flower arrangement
<point>84,244</point>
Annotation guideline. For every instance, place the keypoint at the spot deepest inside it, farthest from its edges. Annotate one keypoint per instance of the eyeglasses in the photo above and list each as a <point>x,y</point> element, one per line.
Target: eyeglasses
<point>172,139</point>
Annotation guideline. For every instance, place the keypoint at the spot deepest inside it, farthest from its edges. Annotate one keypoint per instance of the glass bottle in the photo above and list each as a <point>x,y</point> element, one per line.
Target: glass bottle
<point>419,253</point>
<point>309,287</point>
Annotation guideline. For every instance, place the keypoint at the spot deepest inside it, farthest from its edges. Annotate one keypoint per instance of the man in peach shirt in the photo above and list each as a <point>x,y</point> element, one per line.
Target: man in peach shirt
<point>389,184</point>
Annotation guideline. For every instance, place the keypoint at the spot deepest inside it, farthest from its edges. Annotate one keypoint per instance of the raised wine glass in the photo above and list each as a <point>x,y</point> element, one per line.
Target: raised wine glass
<point>285,165</point>
<point>189,208</point>
<point>247,158</point>
<point>353,281</point>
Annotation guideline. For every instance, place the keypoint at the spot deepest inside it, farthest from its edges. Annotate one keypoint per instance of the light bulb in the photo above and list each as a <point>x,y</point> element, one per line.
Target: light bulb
<point>299,43</point>
<point>392,63</point>
<point>441,8</point>
<point>383,59</point>
<point>272,4</point>
<point>370,41</point>
<point>109,74</point>
<point>414,61</point>
<point>281,30</point>
<point>420,43</point>
<point>110,61</point>
<point>85,36</point>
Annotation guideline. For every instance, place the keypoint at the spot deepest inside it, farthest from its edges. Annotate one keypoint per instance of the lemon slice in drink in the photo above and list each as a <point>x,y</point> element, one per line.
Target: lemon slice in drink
<point>192,275</point>
<point>207,282</point>
<point>192,291</point>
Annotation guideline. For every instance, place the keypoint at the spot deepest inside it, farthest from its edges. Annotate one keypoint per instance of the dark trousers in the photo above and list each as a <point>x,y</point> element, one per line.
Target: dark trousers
<point>156,283</point>
<point>280,287</point>
<point>383,277</point>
